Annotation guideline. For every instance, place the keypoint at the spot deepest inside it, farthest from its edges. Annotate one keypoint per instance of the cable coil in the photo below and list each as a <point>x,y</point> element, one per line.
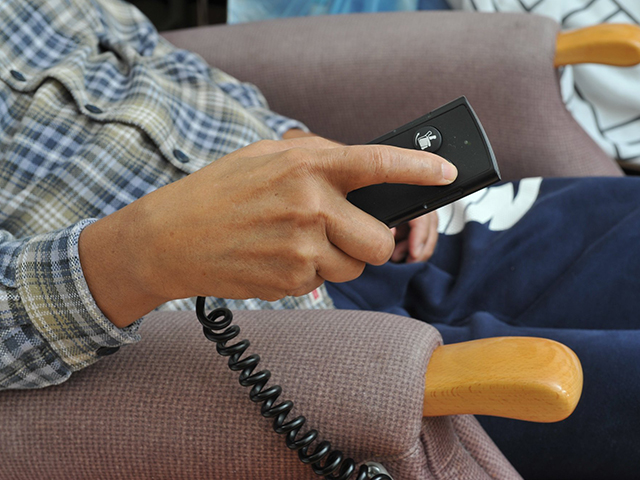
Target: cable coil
<point>323,461</point>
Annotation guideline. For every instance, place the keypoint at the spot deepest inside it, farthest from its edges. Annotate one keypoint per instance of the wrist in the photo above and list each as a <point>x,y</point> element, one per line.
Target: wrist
<point>115,270</point>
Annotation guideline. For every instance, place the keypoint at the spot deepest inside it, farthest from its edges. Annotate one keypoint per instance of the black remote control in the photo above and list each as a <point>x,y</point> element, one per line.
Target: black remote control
<point>452,131</point>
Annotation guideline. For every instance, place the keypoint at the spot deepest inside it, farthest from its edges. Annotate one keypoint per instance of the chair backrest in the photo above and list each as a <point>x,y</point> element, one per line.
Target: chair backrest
<point>354,77</point>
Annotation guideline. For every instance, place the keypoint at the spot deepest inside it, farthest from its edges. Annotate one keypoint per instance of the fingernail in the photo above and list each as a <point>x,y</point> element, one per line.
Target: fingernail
<point>449,171</point>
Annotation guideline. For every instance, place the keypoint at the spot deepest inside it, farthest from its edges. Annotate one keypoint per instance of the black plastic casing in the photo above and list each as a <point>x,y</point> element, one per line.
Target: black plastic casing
<point>464,143</point>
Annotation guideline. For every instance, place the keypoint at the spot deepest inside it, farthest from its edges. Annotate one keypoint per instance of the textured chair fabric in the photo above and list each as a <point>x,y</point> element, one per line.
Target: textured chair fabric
<point>354,77</point>
<point>169,408</point>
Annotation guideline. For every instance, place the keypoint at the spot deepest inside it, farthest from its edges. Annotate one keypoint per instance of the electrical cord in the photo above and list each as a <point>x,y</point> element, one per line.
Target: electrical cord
<point>324,461</point>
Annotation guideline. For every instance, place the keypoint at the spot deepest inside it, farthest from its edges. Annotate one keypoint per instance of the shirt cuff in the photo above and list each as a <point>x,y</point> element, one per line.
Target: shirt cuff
<point>57,299</point>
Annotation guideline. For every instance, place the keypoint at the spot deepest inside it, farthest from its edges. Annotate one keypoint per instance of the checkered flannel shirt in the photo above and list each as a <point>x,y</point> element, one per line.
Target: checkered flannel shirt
<point>96,110</point>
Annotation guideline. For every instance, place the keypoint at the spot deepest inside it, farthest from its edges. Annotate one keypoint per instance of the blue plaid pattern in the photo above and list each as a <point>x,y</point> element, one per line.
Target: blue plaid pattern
<point>96,111</point>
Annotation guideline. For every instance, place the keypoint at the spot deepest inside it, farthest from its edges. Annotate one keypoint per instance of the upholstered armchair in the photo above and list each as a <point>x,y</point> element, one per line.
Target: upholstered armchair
<point>168,408</point>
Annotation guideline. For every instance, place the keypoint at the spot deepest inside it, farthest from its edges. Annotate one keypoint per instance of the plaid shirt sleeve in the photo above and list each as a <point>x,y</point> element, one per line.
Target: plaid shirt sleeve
<point>252,99</point>
<point>51,325</point>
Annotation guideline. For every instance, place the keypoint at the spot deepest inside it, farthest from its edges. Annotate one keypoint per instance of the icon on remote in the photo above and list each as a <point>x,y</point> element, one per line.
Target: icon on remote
<point>428,138</point>
<point>425,140</point>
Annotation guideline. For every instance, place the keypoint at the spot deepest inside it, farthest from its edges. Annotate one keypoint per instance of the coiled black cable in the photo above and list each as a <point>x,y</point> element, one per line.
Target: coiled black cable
<point>324,461</point>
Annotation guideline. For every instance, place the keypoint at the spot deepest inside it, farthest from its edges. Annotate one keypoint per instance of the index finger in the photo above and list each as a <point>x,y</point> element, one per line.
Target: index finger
<point>352,167</point>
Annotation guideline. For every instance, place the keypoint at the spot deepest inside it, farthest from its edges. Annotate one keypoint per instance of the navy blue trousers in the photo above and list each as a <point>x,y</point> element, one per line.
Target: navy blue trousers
<point>568,270</point>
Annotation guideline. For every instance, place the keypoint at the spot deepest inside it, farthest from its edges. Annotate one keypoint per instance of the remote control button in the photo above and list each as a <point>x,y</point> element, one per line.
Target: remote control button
<point>428,138</point>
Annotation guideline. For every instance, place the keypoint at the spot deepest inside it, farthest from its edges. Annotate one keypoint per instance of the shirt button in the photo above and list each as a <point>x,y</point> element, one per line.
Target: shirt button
<point>104,351</point>
<point>93,108</point>
<point>180,156</point>
<point>18,76</point>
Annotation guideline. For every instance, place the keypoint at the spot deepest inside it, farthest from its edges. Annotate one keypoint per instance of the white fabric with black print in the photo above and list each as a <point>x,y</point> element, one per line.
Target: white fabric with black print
<point>605,100</point>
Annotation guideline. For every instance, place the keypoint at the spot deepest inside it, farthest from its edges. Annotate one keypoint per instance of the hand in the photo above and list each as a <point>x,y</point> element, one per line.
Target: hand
<point>416,240</point>
<point>267,221</point>
<point>296,133</point>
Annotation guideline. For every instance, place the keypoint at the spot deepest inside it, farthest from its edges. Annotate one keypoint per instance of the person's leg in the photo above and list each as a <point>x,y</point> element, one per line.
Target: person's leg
<point>571,261</point>
<point>569,270</point>
<point>601,439</point>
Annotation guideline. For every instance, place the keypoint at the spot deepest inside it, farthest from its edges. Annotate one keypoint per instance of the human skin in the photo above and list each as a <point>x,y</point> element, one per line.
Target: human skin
<point>266,221</point>
<point>415,240</point>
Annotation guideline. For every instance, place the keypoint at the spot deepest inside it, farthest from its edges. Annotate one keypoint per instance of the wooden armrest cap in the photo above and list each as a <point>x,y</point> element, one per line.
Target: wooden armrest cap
<point>525,378</point>
<point>608,43</point>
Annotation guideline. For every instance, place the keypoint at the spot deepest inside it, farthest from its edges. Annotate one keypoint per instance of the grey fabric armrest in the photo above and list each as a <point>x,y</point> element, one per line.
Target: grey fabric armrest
<point>354,77</point>
<point>170,408</point>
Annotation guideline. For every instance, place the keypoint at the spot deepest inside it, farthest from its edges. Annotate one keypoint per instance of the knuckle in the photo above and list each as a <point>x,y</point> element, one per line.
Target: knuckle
<point>318,142</point>
<point>375,160</point>
<point>304,214</point>
<point>298,270</point>
<point>285,283</point>
<point>381,249</point>
<point>299,158</point>
<point>344,272</point>
<point>305,211</point>
<point>311,285</point>
<point>264,145</point>
<point>271,296</point>
<point>299,165</point>
<point>379,161</point>
<point>298,292</point>
<point>354,271</point>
